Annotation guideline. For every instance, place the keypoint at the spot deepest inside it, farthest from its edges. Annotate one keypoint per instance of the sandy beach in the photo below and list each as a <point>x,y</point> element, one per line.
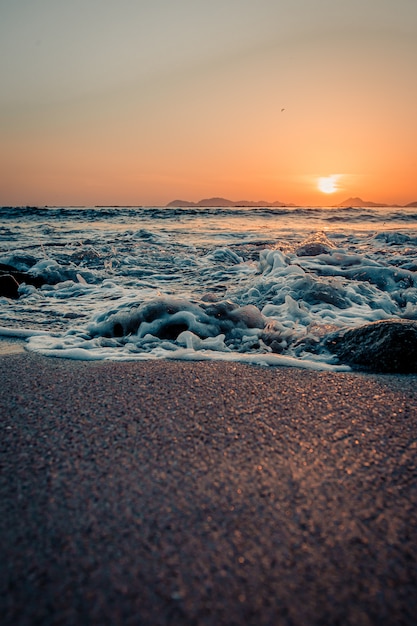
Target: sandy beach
<point>159,493</point>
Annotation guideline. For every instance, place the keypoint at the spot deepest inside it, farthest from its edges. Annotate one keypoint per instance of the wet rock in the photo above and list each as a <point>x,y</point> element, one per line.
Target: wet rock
<point>9,287</point>
<point>221,309</point>
<point>384,346</point>
<point>11,278</point>
<point>248,315</point>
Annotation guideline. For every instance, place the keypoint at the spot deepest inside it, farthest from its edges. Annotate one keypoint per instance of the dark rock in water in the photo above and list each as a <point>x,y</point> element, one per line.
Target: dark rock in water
<point>8,286</point>
<point>11,278</point>
<point>385,346</point>
<point>248,315</point>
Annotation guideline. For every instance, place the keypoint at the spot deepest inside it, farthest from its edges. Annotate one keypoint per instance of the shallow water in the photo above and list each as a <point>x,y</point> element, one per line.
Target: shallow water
<point>259,285</point>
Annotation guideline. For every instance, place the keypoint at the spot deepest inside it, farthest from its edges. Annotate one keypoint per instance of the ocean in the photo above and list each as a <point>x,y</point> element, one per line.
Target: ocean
<point>255,285</point>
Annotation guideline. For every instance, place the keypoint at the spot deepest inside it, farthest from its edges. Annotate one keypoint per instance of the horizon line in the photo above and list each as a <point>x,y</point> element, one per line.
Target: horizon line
<point>217,202</point>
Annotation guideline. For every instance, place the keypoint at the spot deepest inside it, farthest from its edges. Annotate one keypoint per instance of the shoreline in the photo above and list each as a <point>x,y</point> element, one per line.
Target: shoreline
<point>171,492</point>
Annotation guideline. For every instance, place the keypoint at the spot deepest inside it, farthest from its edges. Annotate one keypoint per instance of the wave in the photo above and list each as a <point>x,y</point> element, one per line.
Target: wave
<point>276,310</point>
<point>119,214</point>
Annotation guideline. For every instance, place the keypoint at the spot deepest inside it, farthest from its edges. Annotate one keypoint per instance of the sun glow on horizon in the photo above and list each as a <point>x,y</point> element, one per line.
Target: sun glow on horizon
<point>328,184</point>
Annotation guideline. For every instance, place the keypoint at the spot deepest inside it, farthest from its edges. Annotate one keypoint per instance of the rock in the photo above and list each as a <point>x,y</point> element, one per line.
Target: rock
<point>11,278</point>
<point>384,346</point>
<point>9,287</point>
<point>249,316</point>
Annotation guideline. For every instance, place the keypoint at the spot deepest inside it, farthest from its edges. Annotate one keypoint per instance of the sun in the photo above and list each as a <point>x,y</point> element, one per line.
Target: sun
<point>328,184</point>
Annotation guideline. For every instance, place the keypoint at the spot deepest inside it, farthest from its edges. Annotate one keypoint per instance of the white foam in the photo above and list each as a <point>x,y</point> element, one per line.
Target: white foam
<point>190,353</point>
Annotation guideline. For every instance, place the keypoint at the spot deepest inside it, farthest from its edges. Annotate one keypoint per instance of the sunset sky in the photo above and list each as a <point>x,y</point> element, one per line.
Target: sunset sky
<point>146,101</point>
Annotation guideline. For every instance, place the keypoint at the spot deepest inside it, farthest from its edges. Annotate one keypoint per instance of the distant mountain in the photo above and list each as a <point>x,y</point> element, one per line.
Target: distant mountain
<point>358,202</point>
<point>224,202</point>
<point>221,202</point>
<point>181,203</point>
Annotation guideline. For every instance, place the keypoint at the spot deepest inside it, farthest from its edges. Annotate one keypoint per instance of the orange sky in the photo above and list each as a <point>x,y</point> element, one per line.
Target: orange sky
<point>143,103</point>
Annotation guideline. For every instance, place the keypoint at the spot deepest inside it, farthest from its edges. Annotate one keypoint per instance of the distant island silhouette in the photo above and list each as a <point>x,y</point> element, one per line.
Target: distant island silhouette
<point>224,202</point>
<point>358,202</point>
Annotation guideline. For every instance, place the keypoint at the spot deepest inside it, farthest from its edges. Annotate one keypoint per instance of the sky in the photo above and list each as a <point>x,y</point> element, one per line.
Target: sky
<point>131,102</point>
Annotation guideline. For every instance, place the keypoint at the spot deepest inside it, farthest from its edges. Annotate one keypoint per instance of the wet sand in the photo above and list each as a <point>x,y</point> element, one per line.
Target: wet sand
<point>158,493</point>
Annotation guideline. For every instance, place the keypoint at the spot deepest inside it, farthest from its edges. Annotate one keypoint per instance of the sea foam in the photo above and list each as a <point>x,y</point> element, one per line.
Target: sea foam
<point>159,287</point>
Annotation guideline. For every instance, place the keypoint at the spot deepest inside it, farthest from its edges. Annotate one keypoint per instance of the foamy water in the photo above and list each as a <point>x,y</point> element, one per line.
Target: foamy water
<point>240,284</point>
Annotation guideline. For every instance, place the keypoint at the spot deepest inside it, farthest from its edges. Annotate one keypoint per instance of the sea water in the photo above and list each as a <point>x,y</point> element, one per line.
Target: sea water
<point>257,285</point>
